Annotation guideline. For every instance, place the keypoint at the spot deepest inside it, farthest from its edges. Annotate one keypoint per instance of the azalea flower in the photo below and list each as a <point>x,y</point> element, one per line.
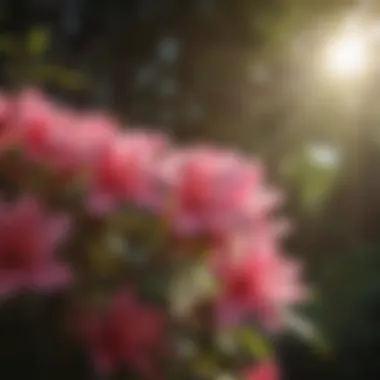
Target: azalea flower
<point>264,371</point>
<point>29,239</point>
<point>213,191</point>
<point>259,281</point>
<point>127,334</point>
<point>125,173</point>
<point>9,136</point>
<point>34,121</point>
<point>60,139</point>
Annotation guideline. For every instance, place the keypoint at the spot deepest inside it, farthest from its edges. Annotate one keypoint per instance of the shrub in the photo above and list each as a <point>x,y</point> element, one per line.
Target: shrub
<point>167,259</point>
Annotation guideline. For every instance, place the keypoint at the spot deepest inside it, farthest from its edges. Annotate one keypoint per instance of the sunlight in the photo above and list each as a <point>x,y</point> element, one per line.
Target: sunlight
<point>347,56</point>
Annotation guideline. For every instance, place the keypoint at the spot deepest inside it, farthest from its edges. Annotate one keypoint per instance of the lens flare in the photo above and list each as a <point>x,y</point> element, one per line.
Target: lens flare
<point>348,55</point>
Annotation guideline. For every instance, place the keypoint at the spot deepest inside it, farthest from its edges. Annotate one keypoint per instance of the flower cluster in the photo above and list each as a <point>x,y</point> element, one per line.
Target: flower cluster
<point>172,256</point>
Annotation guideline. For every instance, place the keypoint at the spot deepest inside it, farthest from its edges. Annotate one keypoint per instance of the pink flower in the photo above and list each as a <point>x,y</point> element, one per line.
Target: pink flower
<point>8,135</point>
<point>260,280</point>
<point>76,143</point>
<point>214,190</point>
<point>43,130</point>
<point>264,371</point>
<point>127,334</point>
<point>60,139</point>
<point>93,132</point>
<point>125,172</point>
<point>34,121</point>
<point>28,240</point>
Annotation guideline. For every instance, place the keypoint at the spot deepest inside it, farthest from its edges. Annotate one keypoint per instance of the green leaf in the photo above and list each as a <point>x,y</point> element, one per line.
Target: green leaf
<point>307,332</point>
<point>38,41</point>
<point>314,181</point>
<point>255,342</point>
<point>7,44</point>
<point>71,79</point>
<point>61,76</point>
<point>206,365</point>
<point>191,285</point>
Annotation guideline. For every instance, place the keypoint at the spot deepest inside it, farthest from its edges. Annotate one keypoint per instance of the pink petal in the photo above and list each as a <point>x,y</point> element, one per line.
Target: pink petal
<point>51,278</point>
<point>98,203</point>
<point>10,283</point>
<point>104,363</point>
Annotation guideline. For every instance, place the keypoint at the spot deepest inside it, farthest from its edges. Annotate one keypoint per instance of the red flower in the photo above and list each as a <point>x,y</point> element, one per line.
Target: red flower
<point>259,280</point>
<point>127,334</point>
<point>264,371</point>
<point>60,139</point>
<point>7,133</point>
<point>28,240</point>
<point>92,133</point>
<point>34,121</point>
<point>125,172</point>
<point>213,190</point>
<point>77,141</point>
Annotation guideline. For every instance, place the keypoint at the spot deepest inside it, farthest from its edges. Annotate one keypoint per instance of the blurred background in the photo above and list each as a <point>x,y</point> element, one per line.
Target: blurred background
<point>295,82</point>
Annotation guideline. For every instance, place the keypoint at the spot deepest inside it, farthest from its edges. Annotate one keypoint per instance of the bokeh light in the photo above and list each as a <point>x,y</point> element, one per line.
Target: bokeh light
<point>347,55</point>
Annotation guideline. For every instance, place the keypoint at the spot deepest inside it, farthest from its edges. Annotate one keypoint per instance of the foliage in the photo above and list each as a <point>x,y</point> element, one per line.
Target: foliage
<point>26,61</point>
